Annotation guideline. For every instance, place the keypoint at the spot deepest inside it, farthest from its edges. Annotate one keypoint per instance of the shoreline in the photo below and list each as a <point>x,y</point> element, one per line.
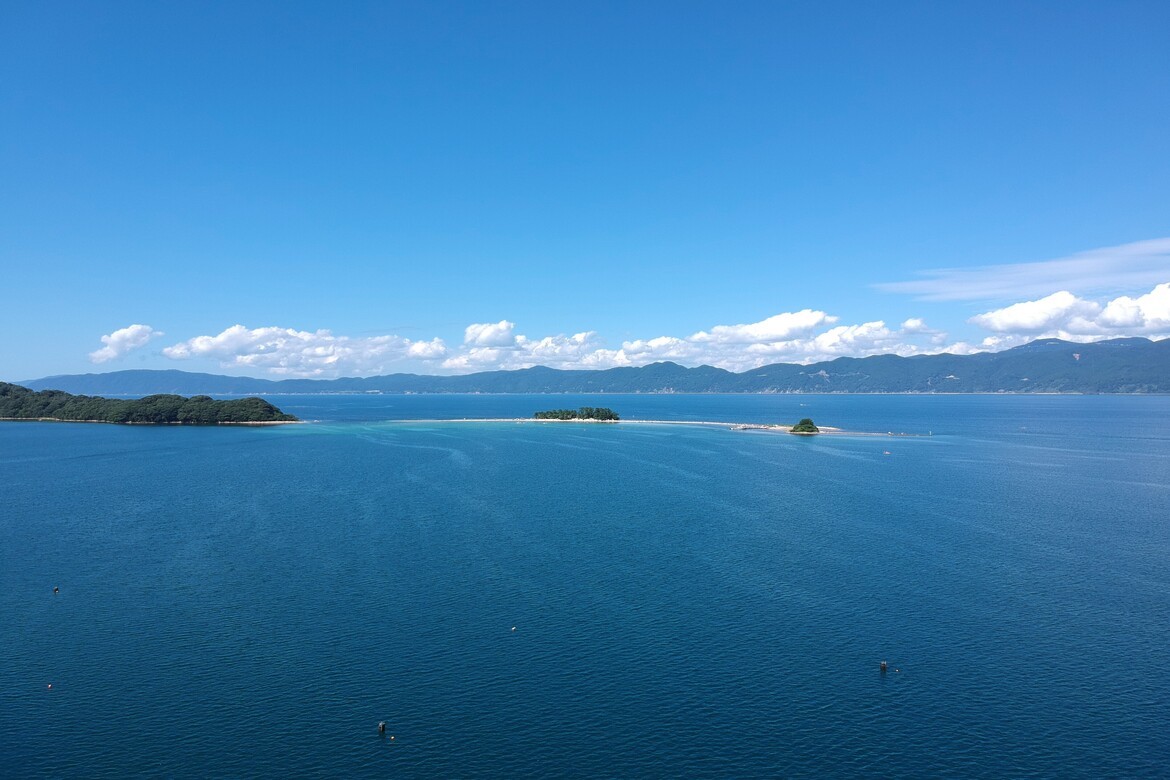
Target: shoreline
<point>826,430</point>
<point>180,424</point>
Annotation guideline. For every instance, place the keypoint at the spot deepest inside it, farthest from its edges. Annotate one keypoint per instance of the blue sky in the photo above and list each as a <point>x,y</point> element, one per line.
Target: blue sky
<point>325,189</point>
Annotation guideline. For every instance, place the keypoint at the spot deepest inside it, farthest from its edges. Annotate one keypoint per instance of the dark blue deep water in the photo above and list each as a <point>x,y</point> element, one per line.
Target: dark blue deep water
<point>688,601</point>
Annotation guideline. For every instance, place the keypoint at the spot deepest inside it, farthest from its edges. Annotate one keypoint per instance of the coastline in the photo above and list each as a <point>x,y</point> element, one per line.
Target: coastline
<point>825,430</point>
<point>181,424</point>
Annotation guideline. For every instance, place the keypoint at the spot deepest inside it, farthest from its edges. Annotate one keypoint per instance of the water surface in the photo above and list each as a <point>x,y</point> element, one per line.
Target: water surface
<point>686,600</point>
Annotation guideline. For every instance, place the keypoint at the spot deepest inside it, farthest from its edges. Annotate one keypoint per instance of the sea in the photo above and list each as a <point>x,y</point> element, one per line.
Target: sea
<point>534,600</point>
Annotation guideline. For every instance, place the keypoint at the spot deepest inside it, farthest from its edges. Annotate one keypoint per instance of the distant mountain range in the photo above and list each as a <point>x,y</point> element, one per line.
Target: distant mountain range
<point>1132,365</point>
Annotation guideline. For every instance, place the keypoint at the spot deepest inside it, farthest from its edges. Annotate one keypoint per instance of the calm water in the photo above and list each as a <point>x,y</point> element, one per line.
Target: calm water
<point>687,601</point>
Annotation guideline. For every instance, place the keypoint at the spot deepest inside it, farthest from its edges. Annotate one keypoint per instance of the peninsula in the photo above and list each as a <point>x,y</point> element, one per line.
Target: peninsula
<point>20,403</point>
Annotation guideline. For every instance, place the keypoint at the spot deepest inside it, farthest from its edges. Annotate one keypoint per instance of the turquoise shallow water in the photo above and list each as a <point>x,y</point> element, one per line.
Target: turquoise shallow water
<point>688,601</point>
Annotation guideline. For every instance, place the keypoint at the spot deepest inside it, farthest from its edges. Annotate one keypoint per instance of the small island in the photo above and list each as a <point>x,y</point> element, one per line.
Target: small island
<point>20,403</point>
<point>805,427</point>
<point>584,413</point>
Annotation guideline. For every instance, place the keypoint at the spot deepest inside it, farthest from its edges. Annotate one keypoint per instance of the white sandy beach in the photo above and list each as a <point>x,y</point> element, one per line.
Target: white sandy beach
<point>736,426</point>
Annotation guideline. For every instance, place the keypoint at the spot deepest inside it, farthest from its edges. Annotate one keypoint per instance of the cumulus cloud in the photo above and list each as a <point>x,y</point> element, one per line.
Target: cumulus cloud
<point>427,350</point>
<point>1149,313</point>
<point>559,349</point>
<point>799,337</point>
<point>477,359</point>
<point>660,348</point>
<point>787,337</point>
<point>804,336</point>
<point>122,341</point>
<point>809,336</point>
<point>489,334</point>
<point>578,350</point>
<point>867,338</point>
<point>776,328</point>
<point>1040,315</point>
<point>1103,271</point>
<point>1067,316</point>
<point>290,352</point>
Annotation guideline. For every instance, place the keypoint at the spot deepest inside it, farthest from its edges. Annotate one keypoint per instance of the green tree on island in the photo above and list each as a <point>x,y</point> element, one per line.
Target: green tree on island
<point>20,403</point>
<point>805,426</point>
<point>584,413</point>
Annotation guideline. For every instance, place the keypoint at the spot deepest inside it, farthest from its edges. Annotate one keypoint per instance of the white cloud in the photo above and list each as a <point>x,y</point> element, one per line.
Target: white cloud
<point>1106,271</point>
<point>475,359</point>
<point>776,328</point>
<point>963,348</point>
<point>788,337</point>
<point>867,338</point>
<point>1037,316</point>
<point>289,352</point>
<point>578,350</point>
<point>489,334</point>
<point>559,349</point>
<point>660,348</point>
<point>1149,313</point>
<point>805,336</point>
<point>1000,343</point>
<point>810,336</point>
<point>122,341</point>
<point>427,350</point>
<point>1064,315</point>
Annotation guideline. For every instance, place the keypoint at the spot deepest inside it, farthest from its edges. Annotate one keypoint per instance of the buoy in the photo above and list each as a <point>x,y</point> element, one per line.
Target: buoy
<point>513,628</point>
<point>50,686</point>
<point>56,589</point>
<point>391,737</point>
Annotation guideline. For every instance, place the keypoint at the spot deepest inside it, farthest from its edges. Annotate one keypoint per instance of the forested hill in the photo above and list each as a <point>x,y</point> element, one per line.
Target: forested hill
<point>1134,365</point>
<point>20,403</point>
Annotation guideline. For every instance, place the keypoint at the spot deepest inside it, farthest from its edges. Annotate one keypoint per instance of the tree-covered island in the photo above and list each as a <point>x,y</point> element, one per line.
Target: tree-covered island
<point>20,403</point>
<point>584,413</point>
<point>804,426</point>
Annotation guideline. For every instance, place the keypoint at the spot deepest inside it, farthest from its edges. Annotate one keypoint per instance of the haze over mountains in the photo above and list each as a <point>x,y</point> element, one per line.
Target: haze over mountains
<point>1131,365</point>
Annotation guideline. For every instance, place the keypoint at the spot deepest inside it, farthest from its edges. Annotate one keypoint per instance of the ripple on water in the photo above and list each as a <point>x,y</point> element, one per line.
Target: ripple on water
<point>688,601</point>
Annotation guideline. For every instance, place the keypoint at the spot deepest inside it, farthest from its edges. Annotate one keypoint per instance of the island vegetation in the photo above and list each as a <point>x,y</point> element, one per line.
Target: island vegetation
<point>804,426</point>
<point>20,403</point>
<point>584,413</point>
